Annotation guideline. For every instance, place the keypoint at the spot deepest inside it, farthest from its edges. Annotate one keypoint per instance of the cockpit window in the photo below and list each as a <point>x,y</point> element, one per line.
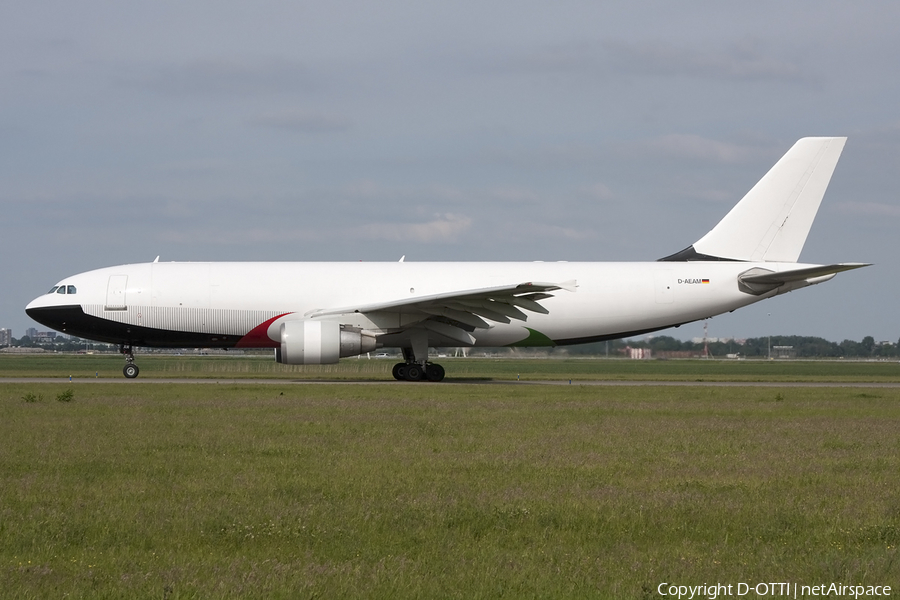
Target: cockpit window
<point>61,289</point>
<point>53,289</point>
<point>70,289</point>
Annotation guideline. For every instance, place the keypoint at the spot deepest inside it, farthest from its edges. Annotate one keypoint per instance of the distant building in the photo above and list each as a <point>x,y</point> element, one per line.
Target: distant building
<point>676,354</point>
<point>784,352</point>
<point>31,332</point>
<point>5,337</point>
<point>639,353</point>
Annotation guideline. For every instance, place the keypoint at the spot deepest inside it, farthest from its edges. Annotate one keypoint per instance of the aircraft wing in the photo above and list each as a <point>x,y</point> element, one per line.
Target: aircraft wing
<point>455,314</point>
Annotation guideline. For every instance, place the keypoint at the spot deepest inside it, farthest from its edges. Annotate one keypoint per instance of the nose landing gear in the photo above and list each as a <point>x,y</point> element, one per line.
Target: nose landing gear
<point>130,370</point>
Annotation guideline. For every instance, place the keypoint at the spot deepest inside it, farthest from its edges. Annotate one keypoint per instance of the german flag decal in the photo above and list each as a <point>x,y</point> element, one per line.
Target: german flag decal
<point>704,281</point>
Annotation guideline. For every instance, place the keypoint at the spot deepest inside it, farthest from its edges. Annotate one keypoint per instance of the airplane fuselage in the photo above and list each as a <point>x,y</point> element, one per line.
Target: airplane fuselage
<point>243,304</point>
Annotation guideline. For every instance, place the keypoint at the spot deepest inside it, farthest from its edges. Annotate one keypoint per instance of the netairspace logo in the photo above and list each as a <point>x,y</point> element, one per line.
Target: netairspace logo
<point>785,589</point>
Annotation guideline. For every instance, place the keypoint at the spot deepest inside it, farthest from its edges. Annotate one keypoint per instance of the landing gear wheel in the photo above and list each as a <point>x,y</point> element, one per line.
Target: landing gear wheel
<point>130,370</point>
<point>434,372</point>
<point>414,373</point>
<point>399,371</point>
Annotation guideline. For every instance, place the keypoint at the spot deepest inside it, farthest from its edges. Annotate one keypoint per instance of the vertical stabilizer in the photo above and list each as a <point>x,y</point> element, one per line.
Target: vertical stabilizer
<point>772,221</point>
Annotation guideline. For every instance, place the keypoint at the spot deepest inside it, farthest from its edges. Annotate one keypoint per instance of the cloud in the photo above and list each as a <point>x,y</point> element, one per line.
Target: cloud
<point>566,233</point>
<point>192,168</point>
<point>742,61</point>
<point>542,157</point>
<point>514,195</point>
<point>443,228</point>
<point>222,76</point>
<point>514,232</point>
<point>300,121</point>
<point>695,147</point>
<point>868,209</point>
<point>598,191</point>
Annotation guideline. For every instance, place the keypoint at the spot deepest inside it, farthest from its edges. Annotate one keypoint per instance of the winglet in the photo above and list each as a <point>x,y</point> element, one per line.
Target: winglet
<point>569,286</point>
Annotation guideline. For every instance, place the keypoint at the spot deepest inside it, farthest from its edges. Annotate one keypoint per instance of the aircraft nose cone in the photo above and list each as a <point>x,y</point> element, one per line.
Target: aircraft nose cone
<point>53,317</point>
<point>33,307</point>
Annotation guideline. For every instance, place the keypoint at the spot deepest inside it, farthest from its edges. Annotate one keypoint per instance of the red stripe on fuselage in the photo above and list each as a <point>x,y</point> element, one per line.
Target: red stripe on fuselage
<point>258,337</point>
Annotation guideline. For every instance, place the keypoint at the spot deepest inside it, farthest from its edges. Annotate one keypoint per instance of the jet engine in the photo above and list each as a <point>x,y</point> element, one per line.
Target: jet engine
<point>309,342</point>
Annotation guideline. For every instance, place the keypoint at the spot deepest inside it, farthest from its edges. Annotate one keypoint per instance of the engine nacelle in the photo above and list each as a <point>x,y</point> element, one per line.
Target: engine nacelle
<point>310,342</point>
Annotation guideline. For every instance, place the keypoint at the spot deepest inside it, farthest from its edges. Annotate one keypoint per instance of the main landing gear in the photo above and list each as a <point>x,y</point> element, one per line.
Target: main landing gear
<point>130,370</point>
<point>417,367</point>
<point>415,372</point>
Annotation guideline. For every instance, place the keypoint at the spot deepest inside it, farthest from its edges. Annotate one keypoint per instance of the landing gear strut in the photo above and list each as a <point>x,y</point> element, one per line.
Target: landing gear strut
<point>130,370</point>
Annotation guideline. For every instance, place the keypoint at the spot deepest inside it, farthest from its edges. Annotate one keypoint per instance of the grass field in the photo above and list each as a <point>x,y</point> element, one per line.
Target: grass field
<point>240,366</point>
<point>441,491</point>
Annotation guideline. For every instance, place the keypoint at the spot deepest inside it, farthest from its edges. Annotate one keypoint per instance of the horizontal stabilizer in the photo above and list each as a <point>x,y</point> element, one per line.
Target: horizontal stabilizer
<point>799,274</point>
<point>759,281</point>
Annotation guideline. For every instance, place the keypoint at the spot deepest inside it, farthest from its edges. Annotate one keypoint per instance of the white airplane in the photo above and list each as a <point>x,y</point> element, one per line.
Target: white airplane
<point>316,313</point>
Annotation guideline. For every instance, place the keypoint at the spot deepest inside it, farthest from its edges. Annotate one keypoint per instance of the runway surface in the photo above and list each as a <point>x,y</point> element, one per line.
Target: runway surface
<point>451,382</point>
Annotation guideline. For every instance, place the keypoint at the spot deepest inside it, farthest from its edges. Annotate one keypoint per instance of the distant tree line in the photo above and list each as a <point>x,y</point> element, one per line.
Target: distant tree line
<point>62,344</point>
<point>801,347</point>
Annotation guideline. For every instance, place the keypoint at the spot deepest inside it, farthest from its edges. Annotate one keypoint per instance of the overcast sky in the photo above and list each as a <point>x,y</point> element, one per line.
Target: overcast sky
<point>580,131</point>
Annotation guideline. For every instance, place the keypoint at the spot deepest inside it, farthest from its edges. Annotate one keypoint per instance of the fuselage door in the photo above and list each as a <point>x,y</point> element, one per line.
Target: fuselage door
<point>115,293</point>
